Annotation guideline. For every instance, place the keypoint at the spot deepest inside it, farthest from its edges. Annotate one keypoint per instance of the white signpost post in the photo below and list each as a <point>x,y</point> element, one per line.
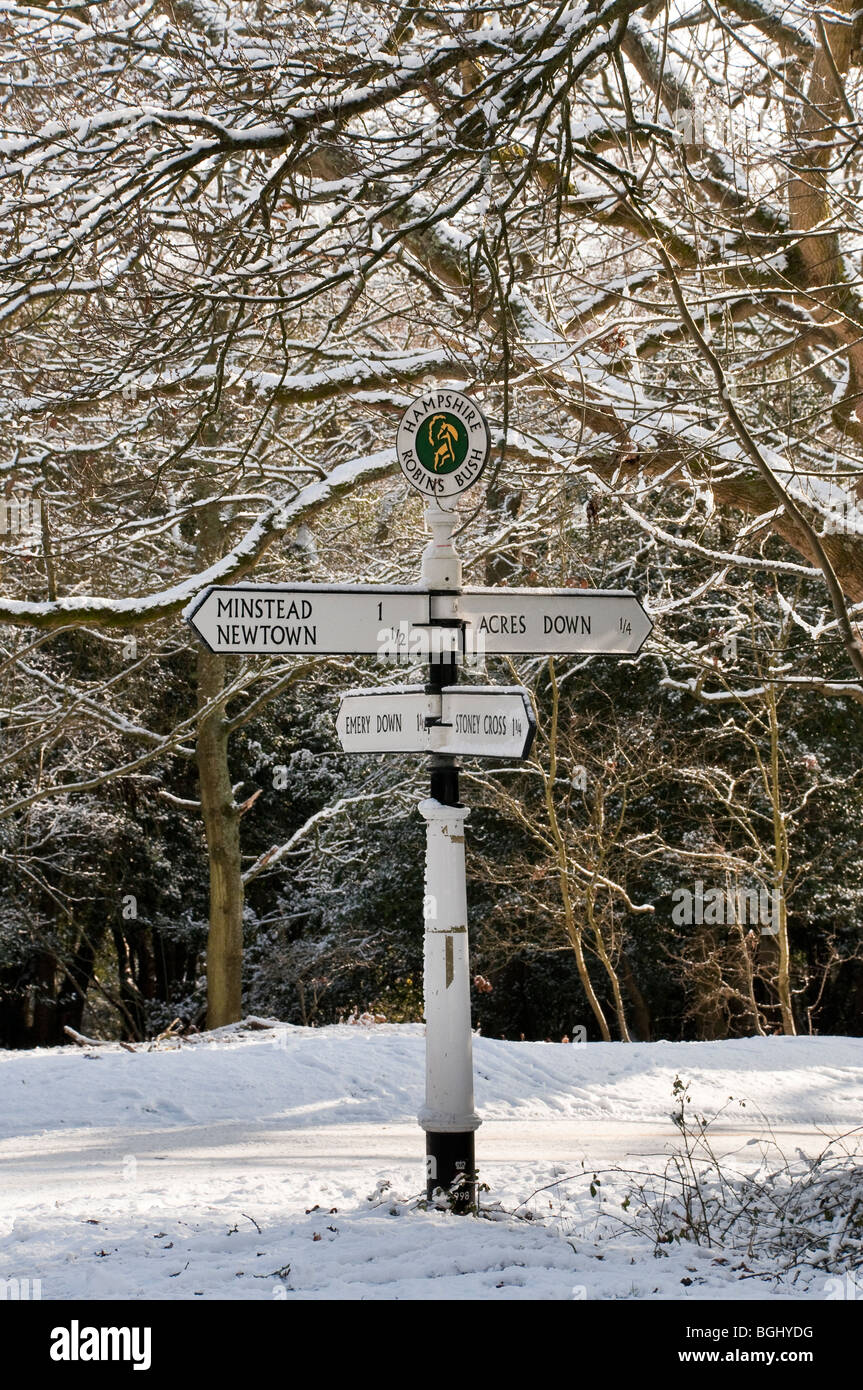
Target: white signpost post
<point>443,444</point>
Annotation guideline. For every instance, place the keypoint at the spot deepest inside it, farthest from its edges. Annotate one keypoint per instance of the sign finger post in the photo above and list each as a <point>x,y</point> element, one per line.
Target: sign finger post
<point>448,1115</point>
<point>443,443</point>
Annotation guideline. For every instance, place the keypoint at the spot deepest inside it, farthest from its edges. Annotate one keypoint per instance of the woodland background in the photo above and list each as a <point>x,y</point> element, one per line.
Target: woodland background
<point>237,238</point>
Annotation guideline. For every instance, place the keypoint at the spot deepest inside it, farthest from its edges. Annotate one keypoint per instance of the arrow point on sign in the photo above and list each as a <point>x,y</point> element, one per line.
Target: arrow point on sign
<point>648,623</point>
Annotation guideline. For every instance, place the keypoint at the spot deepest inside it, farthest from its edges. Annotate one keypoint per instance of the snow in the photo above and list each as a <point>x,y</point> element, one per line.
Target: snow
<point>335,375</point>
<point>148,607</point>
<point>286,1163</point>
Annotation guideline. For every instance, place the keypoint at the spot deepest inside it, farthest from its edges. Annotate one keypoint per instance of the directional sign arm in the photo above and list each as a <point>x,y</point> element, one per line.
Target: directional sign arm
<point>463,720</point>
<point>554,621</point>
<point>310,619</point>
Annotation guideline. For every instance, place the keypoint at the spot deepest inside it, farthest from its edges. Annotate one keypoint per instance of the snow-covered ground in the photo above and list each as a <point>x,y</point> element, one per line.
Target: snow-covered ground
<point>286,1163</point>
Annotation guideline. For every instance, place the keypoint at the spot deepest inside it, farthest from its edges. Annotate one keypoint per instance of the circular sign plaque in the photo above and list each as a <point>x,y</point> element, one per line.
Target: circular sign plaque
<point>443,443</point>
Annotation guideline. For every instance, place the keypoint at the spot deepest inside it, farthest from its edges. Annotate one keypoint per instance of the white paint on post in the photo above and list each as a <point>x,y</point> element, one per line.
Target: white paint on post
<point>441,567</point>
<point>449,1104</point>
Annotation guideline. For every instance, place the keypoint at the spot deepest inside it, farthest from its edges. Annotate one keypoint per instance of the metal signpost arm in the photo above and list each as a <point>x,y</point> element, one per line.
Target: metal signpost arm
<point>448,1115</point>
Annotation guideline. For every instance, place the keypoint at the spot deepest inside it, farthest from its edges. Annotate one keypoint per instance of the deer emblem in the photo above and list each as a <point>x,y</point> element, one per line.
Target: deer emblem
<point>442,438</point>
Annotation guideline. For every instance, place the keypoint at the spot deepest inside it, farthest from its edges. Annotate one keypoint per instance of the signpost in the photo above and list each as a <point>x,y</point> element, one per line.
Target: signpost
<point>443,444</point>
<point>554,621</point>
<point>481,721</point>
<point>448,1115</point>
<point>308,619</point>
<point>371,619</point>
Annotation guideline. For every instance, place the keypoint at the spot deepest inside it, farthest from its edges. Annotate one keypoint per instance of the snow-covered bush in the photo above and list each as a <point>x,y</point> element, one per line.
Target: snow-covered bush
<point>783,1213</point>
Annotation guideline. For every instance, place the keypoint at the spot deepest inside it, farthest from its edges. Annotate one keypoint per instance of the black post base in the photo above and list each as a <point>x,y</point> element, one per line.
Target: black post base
<point>451,1168</point>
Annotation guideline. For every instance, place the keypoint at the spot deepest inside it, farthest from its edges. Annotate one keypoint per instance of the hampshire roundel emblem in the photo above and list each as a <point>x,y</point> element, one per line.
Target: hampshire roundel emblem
<point>443,443</point>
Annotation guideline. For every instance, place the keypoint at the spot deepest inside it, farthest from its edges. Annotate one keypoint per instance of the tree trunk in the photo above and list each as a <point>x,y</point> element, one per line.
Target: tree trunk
<point>574,929</point>
<point>221,819</point>
<point>222,824</point>
<point>781,863</point>
<point>641,1012</point>
<point>67,1009</point>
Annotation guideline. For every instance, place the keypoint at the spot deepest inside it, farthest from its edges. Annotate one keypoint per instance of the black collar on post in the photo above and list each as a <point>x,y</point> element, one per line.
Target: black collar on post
<point>443,768</point>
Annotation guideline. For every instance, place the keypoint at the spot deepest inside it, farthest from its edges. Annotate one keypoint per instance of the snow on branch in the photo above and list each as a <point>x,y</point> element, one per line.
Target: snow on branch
<point>94,611</point>
<point>274,856</point>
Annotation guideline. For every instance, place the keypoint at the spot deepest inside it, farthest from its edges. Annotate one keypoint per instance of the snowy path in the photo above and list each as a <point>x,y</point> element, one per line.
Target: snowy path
<point>243,1166</point>
<point>76,1159</point>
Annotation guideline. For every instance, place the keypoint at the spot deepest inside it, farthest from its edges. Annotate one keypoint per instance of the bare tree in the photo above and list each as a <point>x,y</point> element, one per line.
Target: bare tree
<point>238,239</point>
